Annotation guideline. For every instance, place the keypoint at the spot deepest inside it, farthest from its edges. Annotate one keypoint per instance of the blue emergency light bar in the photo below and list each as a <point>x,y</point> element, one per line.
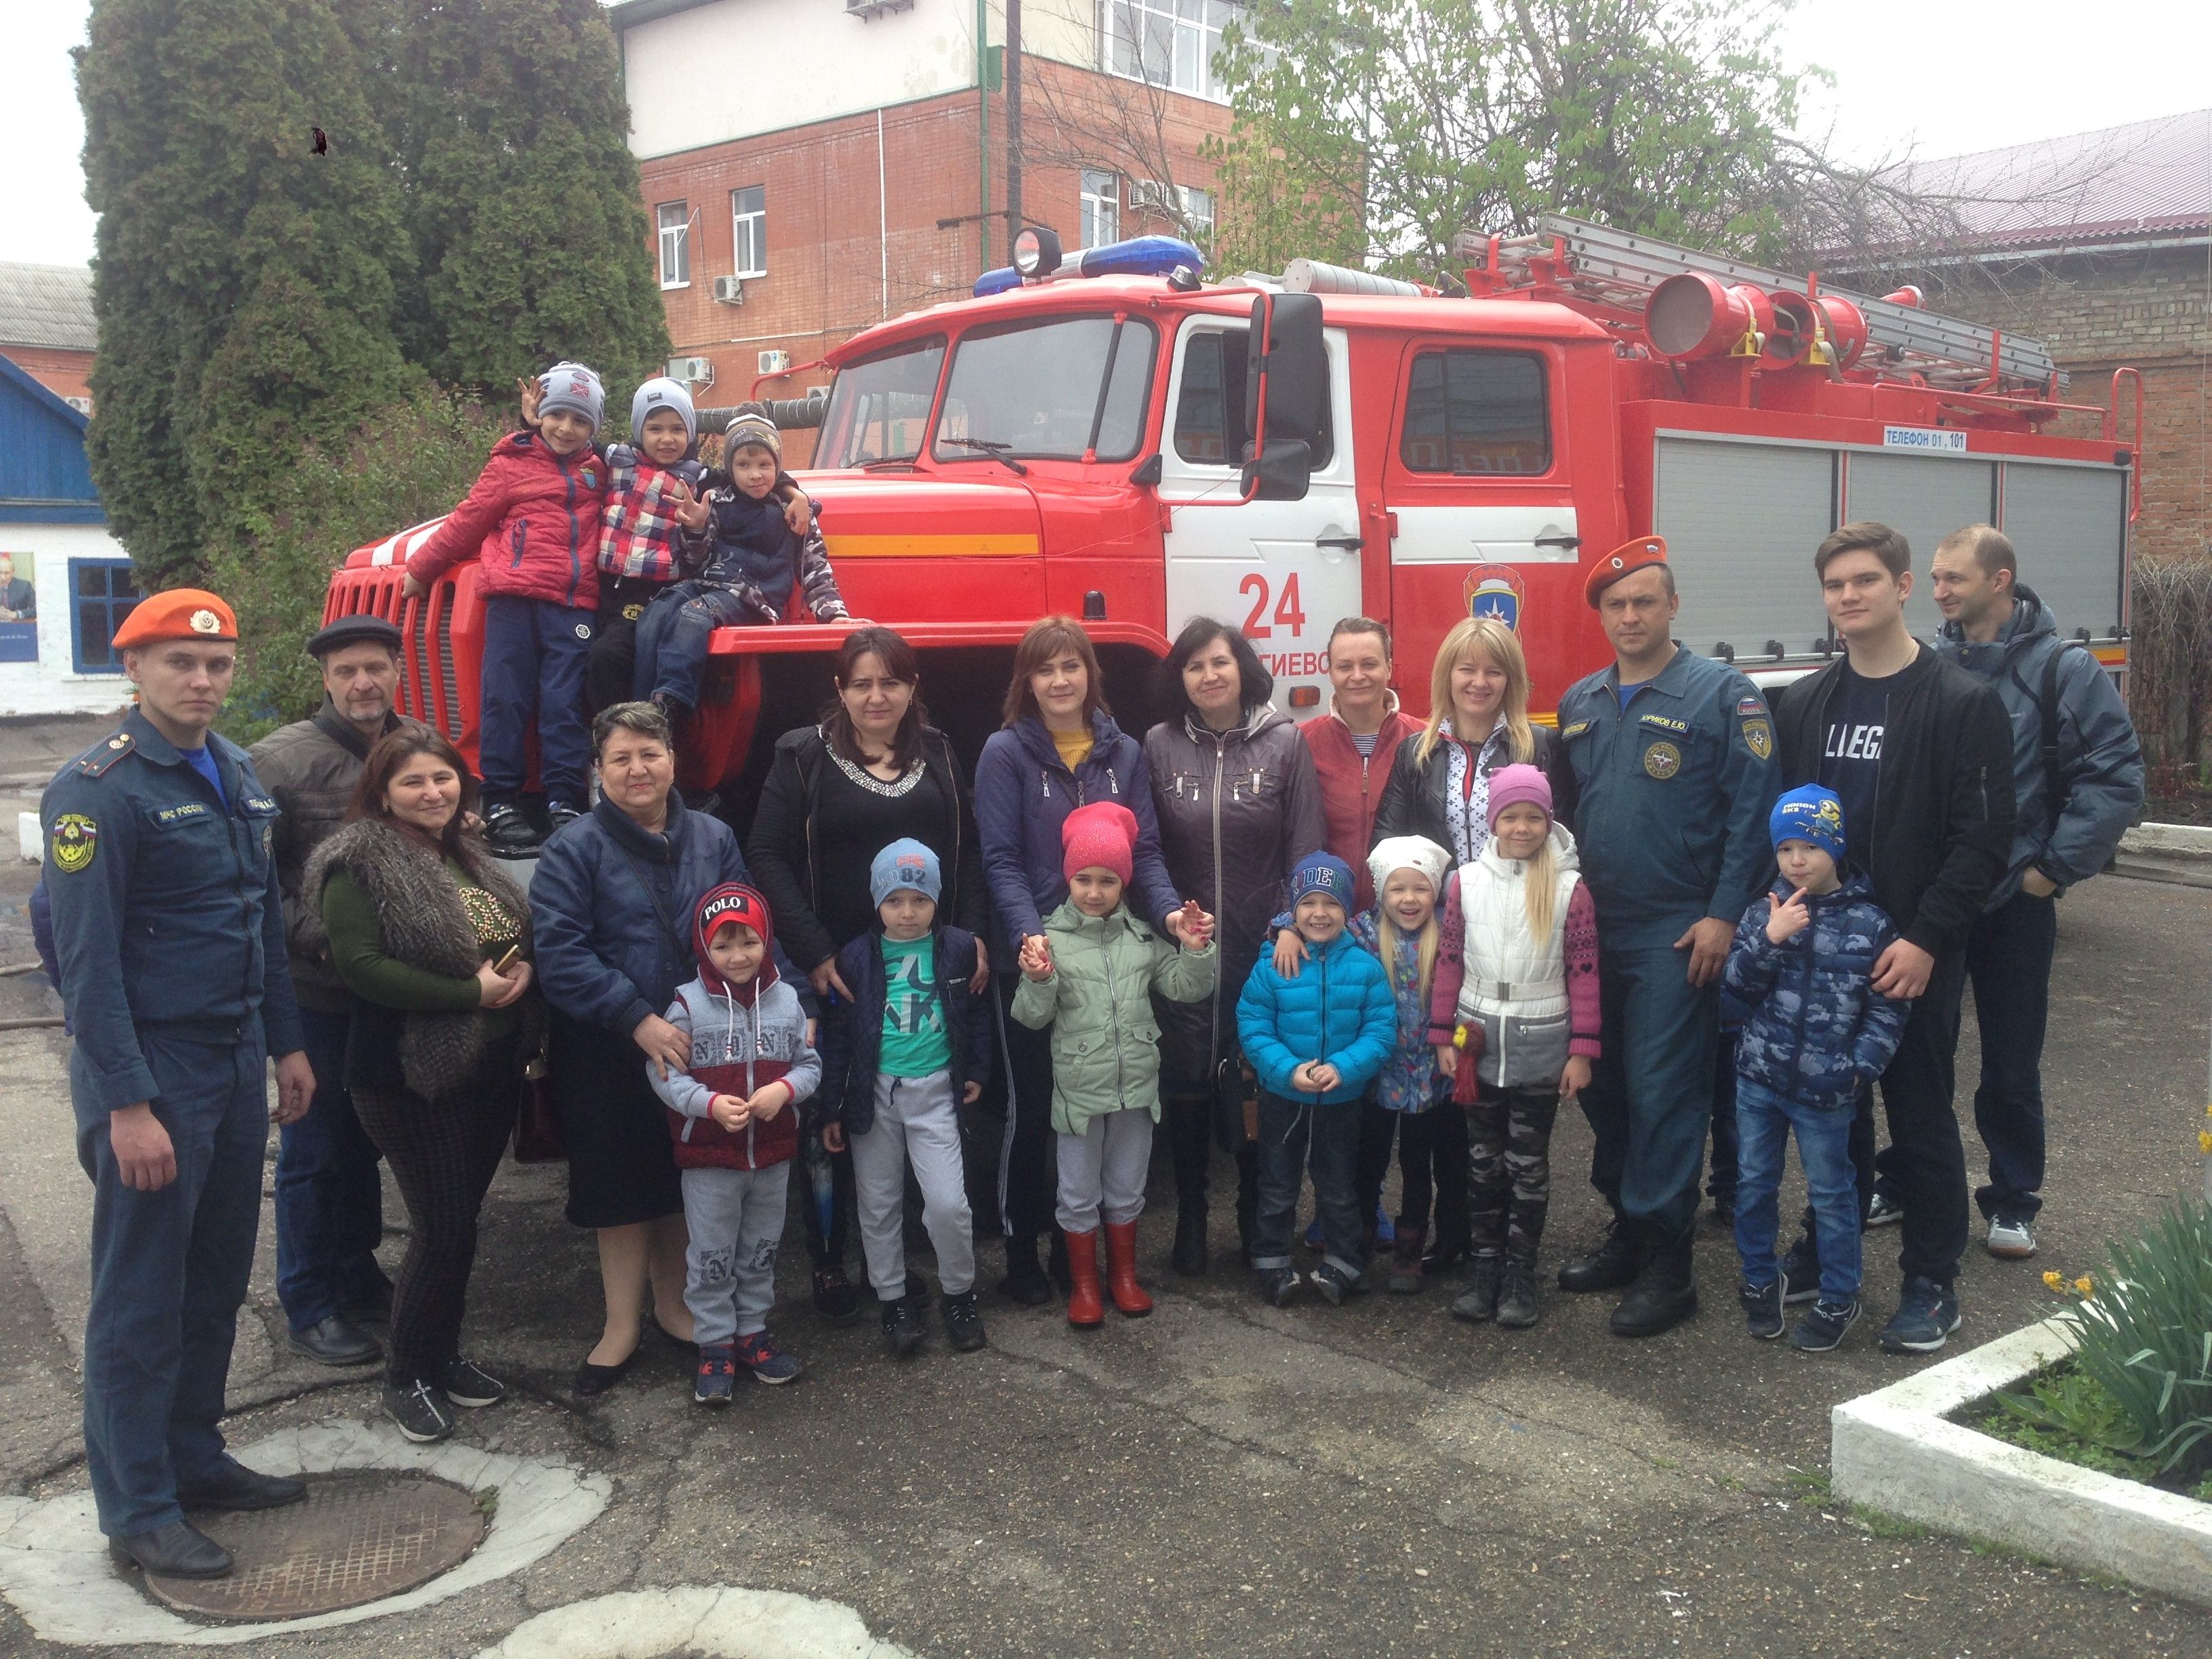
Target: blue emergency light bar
<point>1141,256</point>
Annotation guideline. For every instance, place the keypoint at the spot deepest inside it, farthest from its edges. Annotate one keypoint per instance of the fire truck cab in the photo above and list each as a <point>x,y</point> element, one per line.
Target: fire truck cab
<point>1076,438</point>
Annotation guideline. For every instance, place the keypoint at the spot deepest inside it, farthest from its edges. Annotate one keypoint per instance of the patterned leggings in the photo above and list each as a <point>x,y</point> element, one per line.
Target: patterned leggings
<point>1510,1170</point>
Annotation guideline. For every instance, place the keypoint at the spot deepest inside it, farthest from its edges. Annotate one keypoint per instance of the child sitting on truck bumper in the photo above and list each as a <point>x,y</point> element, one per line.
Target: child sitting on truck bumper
<point>754,567</point>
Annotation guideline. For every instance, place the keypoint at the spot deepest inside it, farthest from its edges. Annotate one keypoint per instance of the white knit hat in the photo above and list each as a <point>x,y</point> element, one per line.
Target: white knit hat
<point>1407,853</point>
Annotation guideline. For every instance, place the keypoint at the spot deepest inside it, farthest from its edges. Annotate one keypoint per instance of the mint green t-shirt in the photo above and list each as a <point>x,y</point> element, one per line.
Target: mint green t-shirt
<point>915,1040</point>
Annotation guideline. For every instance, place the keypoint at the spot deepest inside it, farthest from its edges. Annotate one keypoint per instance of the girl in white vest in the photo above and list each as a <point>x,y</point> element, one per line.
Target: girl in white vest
<point>1514,995</point>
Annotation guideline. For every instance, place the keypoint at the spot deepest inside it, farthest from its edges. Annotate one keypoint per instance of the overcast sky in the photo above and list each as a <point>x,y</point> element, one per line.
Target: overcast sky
<point>1943,79</point>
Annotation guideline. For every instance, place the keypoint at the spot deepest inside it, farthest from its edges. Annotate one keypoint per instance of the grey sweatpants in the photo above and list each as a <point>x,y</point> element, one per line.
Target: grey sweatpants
<point>918,1122</point>
<point>736,1220</point>
<point>1102,1169</point>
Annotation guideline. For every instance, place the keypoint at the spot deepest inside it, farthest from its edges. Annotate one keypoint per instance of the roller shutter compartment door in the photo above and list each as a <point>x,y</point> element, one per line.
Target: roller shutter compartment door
<point>1740,522</point>
<point>2068,524</point>
<point>1927,497</point>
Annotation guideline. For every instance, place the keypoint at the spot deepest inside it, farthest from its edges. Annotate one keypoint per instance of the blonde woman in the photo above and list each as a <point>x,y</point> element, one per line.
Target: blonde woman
<point>1439,784</point>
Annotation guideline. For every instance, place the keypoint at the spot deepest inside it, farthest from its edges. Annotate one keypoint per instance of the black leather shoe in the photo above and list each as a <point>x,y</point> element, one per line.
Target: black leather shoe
<point>1611,1266</point>
<point>180,1550</point>
<point>235,1487</point>
<point>592,1381</point>
<point>835,1298</point>
<point>1665,1292</point>
<point>335,1341</point>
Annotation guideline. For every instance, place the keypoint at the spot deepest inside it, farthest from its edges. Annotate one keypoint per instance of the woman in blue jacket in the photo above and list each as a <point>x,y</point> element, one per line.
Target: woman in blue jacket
<point>1059,750</point>
<point>605,904</point>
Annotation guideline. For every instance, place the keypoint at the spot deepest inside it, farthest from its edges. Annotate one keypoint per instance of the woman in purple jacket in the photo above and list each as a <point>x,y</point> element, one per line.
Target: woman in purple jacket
<point>1059,750</point>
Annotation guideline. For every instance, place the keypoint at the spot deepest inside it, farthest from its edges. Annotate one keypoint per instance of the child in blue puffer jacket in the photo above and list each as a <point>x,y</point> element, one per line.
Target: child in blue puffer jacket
<point>1816,1032</point>
<point>1315,1041</point>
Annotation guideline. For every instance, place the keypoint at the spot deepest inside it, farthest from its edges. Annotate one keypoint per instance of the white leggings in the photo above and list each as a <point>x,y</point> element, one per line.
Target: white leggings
<point>1104,1169</point>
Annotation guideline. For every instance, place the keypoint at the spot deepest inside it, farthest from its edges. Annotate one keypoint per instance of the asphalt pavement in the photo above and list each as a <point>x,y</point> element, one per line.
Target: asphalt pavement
<point>1222,1478</point>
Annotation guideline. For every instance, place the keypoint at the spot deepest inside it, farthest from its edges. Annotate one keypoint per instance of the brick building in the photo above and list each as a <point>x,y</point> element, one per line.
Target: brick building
<point>46,327</point>
<point>2099,245</point>
<point>811,168</point>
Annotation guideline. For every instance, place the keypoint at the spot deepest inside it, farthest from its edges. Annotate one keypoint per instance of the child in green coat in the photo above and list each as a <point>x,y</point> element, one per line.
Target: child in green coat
<point>1092,979</point>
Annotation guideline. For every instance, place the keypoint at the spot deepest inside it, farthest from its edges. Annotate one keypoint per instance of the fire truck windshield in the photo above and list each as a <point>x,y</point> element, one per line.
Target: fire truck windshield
<point>1065,388</point>
<point>878,408</point>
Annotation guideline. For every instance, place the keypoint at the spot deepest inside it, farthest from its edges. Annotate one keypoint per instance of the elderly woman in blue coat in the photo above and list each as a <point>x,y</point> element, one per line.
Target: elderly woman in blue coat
<point>609,905</point>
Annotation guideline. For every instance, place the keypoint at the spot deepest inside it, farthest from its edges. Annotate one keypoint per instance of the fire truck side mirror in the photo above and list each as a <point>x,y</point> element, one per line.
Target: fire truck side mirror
<point>1286,368</point>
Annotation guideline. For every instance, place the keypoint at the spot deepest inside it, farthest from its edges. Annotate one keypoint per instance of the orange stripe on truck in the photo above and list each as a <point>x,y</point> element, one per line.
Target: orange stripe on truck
<point>1016,546</point>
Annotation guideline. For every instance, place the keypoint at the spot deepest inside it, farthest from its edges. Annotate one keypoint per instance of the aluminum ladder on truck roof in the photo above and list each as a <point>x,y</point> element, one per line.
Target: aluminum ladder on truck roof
<point>1615,267</point>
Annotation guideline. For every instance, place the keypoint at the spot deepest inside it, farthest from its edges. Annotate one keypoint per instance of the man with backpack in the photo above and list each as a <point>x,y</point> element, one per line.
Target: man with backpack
<point>2078,780</point>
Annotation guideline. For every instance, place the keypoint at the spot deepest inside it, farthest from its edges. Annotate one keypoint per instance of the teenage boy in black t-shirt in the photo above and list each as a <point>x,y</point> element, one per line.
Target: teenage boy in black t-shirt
<point>1921,753</point>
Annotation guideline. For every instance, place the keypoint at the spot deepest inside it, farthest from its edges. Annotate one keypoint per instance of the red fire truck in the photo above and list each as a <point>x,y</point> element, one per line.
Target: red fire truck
<point>1084,435</point>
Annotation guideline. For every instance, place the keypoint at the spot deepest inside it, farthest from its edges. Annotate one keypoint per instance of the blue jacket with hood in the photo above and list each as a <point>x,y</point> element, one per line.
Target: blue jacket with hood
<point>1815,1030</point>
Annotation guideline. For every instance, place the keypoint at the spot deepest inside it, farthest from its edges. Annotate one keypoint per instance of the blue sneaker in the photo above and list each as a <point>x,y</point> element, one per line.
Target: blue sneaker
<point>718,1375</point>
<point>1926,1315</point>
<point>767,1362</point>
<point>1762,1308</point>
<point>1822,1328</point>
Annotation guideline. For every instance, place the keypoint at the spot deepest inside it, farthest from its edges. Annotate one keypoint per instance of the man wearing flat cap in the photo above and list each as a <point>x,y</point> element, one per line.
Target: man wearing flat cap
<point>1674,755</point>
<point>170,930</point>
<point>330,1197</point>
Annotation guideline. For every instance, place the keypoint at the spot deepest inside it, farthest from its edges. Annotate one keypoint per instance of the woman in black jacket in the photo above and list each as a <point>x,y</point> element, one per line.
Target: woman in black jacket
<point>836,793</point>
<point>1439,784</point>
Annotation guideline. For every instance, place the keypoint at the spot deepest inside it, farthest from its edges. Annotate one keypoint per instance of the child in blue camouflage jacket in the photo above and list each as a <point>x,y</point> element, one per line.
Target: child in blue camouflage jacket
<point>1816,1032</point>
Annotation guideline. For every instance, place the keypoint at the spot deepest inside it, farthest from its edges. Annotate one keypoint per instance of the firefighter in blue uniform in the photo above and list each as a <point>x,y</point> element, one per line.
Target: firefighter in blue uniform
<point>1674,755</point>
<point>171,938</point>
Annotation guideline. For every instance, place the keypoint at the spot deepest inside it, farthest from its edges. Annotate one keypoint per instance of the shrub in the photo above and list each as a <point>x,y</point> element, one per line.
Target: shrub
<point>2143,1336</point>
<point>413,463</point>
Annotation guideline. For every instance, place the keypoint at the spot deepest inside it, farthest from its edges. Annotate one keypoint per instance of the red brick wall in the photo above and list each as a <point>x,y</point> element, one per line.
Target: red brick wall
<point>63,372</point>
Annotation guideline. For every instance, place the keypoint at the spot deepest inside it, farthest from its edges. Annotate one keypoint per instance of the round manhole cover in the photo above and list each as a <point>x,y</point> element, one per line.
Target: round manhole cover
<point>358,1537</point>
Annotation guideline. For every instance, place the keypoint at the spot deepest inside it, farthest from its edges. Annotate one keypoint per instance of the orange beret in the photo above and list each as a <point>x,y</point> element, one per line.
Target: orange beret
<point>182,613</point>
<point>1629,555</point>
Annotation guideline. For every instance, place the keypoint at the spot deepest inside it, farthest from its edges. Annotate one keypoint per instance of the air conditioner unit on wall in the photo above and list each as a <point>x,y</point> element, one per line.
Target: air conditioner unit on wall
<point>730,290</point>
<point>774,362</point>
<point>692,371</point>
<point>867,10</point>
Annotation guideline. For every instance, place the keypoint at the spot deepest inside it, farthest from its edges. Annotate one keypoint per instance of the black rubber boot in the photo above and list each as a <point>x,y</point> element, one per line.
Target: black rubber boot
<point>1612,1265</point>
<point>1024,1283</point>
<point>1665,1292</point>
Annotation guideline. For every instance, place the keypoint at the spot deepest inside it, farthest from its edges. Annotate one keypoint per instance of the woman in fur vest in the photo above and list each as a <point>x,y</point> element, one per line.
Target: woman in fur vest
<point>432,940</point>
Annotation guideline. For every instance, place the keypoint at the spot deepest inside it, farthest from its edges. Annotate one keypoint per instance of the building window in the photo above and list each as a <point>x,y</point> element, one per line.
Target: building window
<point>1191,209</point>
<point>1477,414</point>
<point>102,593</point>
<point>1168,43</point>
<point>675,244</point>
<point>749,216</point>
<point>1102,207</point>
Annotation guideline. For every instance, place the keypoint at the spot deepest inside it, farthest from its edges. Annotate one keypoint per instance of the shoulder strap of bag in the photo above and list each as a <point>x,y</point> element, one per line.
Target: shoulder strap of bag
<point>2047,708</point>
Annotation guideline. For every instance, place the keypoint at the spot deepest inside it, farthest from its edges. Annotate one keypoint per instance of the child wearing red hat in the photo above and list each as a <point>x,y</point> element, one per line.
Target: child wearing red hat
<point>1091,980</point>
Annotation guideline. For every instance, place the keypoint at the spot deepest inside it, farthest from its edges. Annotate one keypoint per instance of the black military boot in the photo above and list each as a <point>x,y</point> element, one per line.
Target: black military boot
<point>1665,1292</point>
<point>1612,1265</point>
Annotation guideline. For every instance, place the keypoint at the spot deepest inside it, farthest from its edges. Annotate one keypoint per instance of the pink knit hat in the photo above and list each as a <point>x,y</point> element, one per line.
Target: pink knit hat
<point>1510,786</point>
<point>1103,834</point>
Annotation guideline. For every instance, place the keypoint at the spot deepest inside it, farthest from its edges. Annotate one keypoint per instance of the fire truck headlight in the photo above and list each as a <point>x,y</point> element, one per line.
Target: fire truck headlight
<point>1036,252</point>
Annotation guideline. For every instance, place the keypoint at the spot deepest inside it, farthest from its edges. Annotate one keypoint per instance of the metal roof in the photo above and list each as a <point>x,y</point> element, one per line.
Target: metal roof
<point>47,305</point>
<point>2148,180</point>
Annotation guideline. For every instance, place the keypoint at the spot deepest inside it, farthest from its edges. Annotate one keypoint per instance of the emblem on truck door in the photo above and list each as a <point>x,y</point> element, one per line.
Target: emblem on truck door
<point>1495,590</point>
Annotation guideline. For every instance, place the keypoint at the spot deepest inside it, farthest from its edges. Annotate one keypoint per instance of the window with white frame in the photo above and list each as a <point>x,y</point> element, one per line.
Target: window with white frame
<point>1102,207</point>
<point>1191,209</point>
<point>675,219</point>
<point>749,218</point>
<point>1168,43</point>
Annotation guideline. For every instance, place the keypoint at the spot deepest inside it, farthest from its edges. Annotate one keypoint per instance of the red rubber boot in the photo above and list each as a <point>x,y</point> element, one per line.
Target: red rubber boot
<point>1122,1270</point>
<point>1085,1309</point>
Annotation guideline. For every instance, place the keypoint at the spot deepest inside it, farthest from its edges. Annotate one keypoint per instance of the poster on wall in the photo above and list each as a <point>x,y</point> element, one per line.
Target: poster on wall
<point>19,607</point>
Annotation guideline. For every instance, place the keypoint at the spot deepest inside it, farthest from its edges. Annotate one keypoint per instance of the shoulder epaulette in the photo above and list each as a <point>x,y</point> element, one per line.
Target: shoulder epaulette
<point>94,762</point>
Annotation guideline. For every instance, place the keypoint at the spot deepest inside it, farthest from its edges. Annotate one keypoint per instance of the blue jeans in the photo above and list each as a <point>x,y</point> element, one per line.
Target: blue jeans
<point>672,637</point>
<point>1651,1097</point>
<point>1764,1120</point>
<point>2008,958</point>
<point>329,1197</point>
<point>169,1269</point>
<point>534,656</point>
<point>1292,1134</point>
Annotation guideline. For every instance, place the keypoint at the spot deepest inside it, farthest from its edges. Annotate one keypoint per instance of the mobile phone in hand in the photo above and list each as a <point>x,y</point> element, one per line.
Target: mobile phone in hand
<point>513,955</point>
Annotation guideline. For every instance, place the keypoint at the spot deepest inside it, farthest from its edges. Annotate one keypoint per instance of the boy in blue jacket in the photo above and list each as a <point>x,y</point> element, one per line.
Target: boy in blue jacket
<point>1816,1033</point>
<point>1316,1042</point>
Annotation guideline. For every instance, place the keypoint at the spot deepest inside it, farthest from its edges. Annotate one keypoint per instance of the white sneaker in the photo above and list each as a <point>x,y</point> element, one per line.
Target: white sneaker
<point>2009,1240</point>
<point>1884,1211</point>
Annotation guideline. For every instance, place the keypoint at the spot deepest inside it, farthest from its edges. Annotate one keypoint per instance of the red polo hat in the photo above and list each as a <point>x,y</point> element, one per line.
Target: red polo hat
<point>1628,556</point>
<point>182,613</point>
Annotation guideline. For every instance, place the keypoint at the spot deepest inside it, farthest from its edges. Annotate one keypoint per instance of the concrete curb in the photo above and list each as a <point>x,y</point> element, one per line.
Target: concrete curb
<point>1896,1450</point>
<point>2169,840</point>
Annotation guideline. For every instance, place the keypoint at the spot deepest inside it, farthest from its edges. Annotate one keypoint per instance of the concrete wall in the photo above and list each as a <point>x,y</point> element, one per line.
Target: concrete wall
<point>51,685</point>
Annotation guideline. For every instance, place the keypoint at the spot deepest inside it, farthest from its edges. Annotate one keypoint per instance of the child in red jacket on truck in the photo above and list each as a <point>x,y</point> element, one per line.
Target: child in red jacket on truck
<point>532,523</point>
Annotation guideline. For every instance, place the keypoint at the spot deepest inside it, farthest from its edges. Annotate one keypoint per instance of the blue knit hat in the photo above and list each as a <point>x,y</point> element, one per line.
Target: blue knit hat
<point>905,863</point>
<point>1809,813</point>
<point>1326,874</point>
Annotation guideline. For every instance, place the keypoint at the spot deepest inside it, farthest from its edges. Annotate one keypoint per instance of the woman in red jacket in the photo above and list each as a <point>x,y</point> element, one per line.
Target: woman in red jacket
<point>1355,742</point>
